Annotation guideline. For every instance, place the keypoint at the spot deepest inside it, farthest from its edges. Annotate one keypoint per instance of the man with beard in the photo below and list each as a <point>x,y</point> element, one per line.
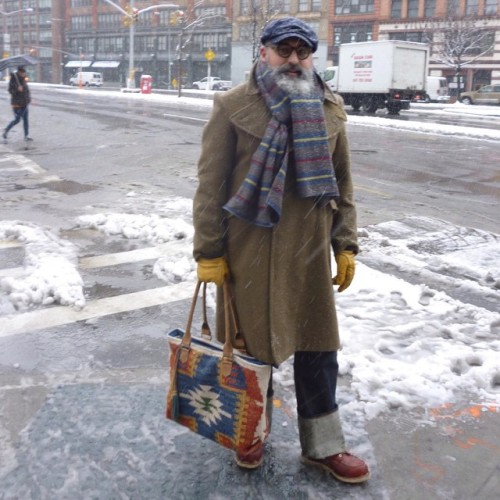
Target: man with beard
<point>275,196</point>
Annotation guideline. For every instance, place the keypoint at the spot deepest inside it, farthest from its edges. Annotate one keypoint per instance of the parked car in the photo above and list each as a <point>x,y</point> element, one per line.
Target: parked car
<point>87,78</point>
<point>223,85</point>
<point>215,83</point>
<point>489,94</point>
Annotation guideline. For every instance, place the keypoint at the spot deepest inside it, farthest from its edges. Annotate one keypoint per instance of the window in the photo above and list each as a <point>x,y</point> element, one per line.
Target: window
<point>353,6</point>
<point>430,8</point>
<point>83,46</point>
<point>471,7</point>
<point>396,9</point>
<point>453,8</point>
<point>314,25</point>
<point>279,5</point>
<point>410,36</point>
<point>110,20</point>
<point>81,3</point>
<point>246,6</point>
<point>352,33</point>
<point>303,5</point>
<point>81,22</point>
<point>490,6</point>
<point>110,44</point>
<point>204,41</point>
<point>413,9</point>
<point>482,44</point>
<point>212,15</point>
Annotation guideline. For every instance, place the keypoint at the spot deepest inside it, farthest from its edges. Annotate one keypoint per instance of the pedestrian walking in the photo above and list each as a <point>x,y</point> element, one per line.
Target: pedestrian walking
<point>275,196</point>
<point>20,100</point>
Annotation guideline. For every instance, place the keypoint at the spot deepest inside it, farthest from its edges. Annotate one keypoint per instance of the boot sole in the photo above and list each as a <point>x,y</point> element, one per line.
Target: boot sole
<point>248,465</point>
<point>351,480</point>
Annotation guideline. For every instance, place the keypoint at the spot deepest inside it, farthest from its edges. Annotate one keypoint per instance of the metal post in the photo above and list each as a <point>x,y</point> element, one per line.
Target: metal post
<point>169,78</point>
<point>80,83</point>
<point>208,77</point>
<point>131,70</point>
<point>179,69</point>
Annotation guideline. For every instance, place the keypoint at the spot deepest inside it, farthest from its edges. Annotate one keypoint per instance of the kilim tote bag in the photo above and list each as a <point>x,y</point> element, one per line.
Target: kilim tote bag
<point>215,390</point>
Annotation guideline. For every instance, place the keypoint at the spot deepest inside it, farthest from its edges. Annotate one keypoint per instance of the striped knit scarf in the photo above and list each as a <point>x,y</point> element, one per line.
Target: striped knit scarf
<point>260,197</point>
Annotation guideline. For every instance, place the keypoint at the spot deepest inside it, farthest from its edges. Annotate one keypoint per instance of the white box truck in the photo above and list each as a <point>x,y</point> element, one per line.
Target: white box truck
<point>385,73</point>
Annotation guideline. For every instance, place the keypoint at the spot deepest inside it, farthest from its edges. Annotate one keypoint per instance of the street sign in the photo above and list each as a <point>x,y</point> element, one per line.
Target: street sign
<point>209,55</point>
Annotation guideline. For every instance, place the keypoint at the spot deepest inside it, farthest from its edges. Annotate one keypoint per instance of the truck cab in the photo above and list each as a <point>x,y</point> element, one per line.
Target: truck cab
<point>331,77</point>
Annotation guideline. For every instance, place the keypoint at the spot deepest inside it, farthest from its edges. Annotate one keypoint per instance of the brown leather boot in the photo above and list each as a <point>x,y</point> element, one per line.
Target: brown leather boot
<point>343,466</point>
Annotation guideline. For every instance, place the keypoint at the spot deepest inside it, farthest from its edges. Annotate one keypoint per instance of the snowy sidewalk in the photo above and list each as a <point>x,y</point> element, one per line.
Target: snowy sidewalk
<point>419,387</point>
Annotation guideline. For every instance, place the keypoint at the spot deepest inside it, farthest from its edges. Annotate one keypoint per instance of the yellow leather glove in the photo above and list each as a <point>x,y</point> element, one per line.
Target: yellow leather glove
<point>213,270</point>
<point>345,269</point>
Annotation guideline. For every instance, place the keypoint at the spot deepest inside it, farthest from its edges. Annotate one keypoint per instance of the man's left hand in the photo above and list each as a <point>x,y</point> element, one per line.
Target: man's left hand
<point>345,269</point>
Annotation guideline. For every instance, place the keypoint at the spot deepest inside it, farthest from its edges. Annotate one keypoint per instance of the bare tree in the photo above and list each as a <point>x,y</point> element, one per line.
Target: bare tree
<point>259,13</point>
<point>188,22</point>
<point>459,42</point>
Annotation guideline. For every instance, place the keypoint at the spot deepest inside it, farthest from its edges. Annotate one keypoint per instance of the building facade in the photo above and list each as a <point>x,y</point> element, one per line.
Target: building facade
<point>174,42</point>
<point>444,24</point>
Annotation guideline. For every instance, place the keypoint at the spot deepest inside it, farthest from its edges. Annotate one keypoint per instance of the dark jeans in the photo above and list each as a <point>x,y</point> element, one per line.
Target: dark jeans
<point>18,114</point>
<point>315,375</point>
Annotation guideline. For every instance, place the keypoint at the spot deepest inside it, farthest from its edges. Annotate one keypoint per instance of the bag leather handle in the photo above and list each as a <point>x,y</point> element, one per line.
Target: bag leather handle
<point>229,313</point>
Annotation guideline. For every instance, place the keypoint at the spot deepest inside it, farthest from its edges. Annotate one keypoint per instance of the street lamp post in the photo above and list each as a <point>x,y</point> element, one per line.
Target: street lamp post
<point>132,15</point>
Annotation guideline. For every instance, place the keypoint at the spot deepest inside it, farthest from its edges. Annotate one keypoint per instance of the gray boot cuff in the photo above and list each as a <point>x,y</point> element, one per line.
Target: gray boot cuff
<point>321,437</point>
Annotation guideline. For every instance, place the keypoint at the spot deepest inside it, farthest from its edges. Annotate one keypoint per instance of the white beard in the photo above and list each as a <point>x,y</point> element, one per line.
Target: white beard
<point>301,85</point>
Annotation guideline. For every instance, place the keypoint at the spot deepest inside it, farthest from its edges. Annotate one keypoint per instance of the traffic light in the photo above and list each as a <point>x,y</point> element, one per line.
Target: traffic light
<point>127,19</point>
<point>177,17</point>
<point>135,15</point>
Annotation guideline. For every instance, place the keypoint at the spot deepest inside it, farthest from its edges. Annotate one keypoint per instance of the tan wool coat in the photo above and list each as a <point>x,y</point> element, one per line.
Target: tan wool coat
<point>282,276</point>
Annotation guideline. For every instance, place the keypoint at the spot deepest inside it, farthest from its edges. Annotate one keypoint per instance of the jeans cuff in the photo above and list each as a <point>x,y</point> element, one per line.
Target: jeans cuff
<point>321,437</point>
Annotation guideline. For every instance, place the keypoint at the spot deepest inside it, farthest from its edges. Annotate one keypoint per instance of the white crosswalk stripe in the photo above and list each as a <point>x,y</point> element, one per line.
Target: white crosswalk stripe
<point>50,317</point>
<point>58,316</point>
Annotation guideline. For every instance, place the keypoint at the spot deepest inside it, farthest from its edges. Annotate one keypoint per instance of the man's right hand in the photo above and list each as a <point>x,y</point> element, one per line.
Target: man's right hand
<point>213,270</point>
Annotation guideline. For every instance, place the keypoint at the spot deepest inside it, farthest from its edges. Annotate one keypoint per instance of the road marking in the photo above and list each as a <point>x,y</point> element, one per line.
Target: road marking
<point>373,191</point>
<point>106,260</point>
<point>63,315</point>
<point>10,244</point>
<point>183,117</point>
<point>24,163</point>
<point>148,253</point>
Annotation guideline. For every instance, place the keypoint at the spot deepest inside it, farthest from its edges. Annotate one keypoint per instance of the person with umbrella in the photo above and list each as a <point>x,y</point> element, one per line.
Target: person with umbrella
<point>20,99</point>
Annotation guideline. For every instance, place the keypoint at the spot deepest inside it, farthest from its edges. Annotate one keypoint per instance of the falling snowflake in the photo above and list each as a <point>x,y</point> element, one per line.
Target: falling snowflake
<point>206,404</point>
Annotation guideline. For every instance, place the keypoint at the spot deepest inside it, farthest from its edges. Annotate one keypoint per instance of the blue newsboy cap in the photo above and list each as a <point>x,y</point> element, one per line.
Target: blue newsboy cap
<point>289,27</point>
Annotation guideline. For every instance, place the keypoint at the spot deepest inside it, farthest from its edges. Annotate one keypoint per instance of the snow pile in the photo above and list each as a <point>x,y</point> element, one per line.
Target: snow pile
<point>419,325</point>
<point>169,227</point>
<point>409,345</point>
<point>148,228</point>
<point>50,274</point>
<point>406,342</point>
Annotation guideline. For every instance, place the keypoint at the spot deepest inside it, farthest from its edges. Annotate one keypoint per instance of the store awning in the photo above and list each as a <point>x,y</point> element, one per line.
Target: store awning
<point>106,64</point>
<point>78,64</point>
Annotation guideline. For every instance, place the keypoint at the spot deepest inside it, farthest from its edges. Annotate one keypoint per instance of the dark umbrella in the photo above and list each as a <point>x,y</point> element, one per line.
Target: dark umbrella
<point>23,60</point>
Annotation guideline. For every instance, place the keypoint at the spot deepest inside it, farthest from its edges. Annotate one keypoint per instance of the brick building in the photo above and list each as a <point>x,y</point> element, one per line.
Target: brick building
<point>68,34</point>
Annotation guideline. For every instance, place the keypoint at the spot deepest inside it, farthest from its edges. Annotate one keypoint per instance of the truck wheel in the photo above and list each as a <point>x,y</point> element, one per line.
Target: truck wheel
<point>370,104</point>
<point>393,108</point>
<point>355,105</point>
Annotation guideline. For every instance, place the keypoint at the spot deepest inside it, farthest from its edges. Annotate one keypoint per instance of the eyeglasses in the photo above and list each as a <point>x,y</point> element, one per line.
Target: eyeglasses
<point>285,51</point>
